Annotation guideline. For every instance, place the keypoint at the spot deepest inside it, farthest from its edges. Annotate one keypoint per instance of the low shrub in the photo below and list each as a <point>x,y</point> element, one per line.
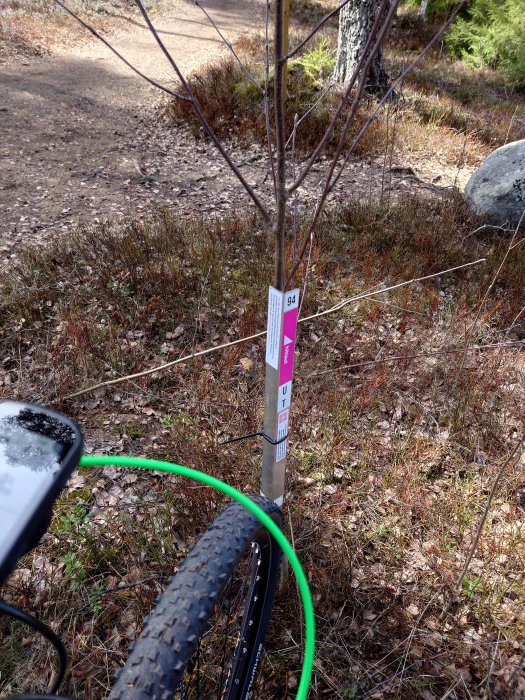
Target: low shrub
<point>234,105</point>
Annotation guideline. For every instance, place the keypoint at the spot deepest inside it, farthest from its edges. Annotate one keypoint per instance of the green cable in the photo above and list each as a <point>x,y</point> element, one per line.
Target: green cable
<point>258,512</point>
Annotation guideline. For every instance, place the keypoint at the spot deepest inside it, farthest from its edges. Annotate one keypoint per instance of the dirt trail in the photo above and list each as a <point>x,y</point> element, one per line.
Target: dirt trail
<point>79,131</point>
<point>81,139</point>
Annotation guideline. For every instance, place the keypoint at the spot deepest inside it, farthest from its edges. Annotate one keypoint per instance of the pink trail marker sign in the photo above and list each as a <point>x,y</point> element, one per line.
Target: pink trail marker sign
<point>288,345</point>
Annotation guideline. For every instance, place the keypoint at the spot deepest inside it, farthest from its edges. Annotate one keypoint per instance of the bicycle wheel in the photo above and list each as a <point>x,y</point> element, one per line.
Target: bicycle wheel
<point>204,640</point>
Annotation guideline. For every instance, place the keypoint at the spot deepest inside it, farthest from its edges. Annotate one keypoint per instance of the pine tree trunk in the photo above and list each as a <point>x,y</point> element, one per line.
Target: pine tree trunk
<point>355,22</point>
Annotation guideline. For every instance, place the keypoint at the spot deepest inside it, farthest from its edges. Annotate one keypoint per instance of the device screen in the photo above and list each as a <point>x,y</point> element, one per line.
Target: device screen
<point>33,445</point>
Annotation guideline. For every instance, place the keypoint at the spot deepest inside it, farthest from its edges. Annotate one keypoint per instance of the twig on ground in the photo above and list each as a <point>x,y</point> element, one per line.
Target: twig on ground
<point>518,315</point>
<point>430,353</point>
<point>292,540</point>
<point>400,308</point>
<point>493,650</point>
<point>406,644</point>
<point>153,370</point>
<point>126,587</point>
<point>451,689</point>
<point>485,226</point>
<point>508,685</point>
<point>371,293</point>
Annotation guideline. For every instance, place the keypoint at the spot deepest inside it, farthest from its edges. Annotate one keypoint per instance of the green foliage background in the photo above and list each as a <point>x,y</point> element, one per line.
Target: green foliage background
<point>488,33</point>
<point>492,34</point>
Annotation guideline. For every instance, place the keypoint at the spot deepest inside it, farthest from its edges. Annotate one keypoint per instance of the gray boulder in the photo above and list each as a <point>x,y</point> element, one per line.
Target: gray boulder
<point>497,188</point>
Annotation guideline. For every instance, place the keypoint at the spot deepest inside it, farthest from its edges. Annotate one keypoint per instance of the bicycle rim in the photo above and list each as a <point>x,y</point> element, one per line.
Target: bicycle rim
<point>229,652</point>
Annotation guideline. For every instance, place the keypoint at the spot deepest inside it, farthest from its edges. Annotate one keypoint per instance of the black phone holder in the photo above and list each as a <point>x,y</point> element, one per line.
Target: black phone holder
<point>39,448</point>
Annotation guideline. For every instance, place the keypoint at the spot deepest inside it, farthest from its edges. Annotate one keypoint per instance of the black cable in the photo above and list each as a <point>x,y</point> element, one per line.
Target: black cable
<point>260,433</point>
<point>51,637</point>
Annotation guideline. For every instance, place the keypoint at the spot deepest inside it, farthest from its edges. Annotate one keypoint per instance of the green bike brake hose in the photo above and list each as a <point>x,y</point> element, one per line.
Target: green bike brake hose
<point>304,589</point>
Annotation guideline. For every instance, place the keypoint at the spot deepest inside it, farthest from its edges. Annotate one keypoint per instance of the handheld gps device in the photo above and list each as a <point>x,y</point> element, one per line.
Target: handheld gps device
<point>39,449</point>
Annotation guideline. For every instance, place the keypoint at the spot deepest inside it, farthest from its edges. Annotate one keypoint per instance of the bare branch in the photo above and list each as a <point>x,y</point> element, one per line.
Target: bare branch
<point>162,46</point>
<point>198,111</point>
<point>267,95</point>
<point>314,31</point>
<point>292,136</point>
<point>330,184</point>
<point>344,99</point>
<point>119,55</point>
<point>430,353</point>
<point>230,46</point>
<point>353,109</point>
<point>280,145</point>
<point>479,530</point>
<point>189,97</point>
<point>366,67</point>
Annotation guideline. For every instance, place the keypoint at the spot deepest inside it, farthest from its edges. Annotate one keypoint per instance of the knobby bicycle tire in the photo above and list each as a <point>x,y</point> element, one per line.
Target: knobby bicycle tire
<point>158,663</point>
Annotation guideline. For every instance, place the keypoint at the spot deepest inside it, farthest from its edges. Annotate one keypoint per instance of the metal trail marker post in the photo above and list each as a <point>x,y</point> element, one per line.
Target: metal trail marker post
<point>283,312</point>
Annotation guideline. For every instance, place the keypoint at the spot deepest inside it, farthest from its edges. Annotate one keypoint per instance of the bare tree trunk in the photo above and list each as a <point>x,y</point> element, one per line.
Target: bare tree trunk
<point>355,23</point>
<point>280,145</point>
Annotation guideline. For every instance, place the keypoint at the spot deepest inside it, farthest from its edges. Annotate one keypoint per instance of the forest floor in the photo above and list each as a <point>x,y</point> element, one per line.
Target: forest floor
<point>125,243</point>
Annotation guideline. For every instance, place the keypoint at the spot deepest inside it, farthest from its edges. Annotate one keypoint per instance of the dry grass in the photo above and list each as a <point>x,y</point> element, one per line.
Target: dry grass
<point>389,467</point>
<point>478,104</point>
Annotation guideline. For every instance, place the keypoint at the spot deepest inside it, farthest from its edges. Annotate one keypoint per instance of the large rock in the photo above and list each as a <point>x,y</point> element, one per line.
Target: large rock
<point>497,188</point>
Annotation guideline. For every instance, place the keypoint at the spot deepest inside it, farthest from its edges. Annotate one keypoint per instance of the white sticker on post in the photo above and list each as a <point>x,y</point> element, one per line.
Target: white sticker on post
<point>273,338</point>
<point>284,396</point>
<point>282,431</point>
<point>291,300</point>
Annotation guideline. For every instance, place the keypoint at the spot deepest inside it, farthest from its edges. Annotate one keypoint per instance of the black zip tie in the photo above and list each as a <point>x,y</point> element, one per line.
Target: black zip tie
<point>261,433</point>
